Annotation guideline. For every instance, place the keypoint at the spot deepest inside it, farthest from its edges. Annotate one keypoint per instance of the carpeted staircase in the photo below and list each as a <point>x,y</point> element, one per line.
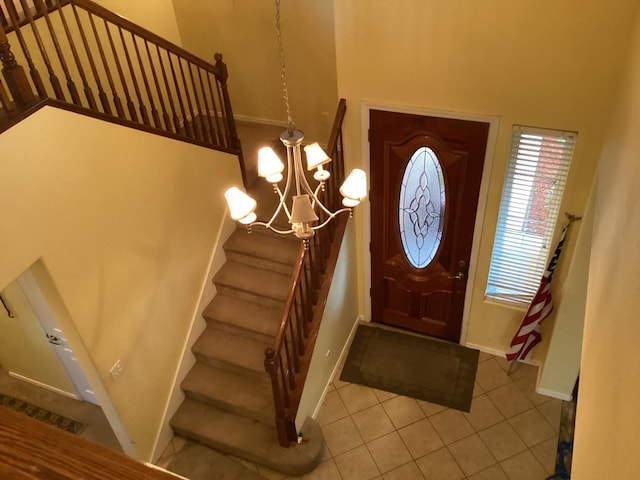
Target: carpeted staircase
<point>229,401</point>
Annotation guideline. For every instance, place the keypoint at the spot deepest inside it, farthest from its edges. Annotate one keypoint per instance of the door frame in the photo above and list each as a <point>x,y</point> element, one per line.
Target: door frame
<point>493,122</point>
<point>33,283</point>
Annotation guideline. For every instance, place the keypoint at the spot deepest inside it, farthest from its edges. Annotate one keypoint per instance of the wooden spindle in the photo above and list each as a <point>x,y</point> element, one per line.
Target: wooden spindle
<point>14,75</point>
<point>208,111</point>
<point>7,105</point>
<point>194,125</point>
<point>114,93</point>
<point>176,123</point>
<point>71,86</point>
<point>88,92</point>
<point>145,82</point>
<point>160,93</point>
<point>185,123</point>
<point>33,71</point>
<point>216,117</point>
<point>123,82</point>
<point>104,101</point>
<point>200,120</point>
<point>134,80</point>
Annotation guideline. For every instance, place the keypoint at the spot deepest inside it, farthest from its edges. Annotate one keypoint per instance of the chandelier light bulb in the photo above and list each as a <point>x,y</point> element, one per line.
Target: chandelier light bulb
<point>269,165</point>
<point>241,205</point>
<point>316,158</point>
<point>354,188</point>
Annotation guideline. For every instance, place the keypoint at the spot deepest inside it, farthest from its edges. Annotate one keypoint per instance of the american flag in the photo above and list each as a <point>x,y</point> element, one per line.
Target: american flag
<point>528,335</point>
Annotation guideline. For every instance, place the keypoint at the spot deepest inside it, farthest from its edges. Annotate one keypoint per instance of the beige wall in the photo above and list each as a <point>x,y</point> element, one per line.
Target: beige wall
<point>606,442</point>
<point>125,223</point>
<point>157,16</point>
<point>469,57</point>
<point>338,322</point>
<point>244,31</point>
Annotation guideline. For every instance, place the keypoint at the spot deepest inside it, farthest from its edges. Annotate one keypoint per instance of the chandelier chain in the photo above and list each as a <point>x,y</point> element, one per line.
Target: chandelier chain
<point>285,90</point>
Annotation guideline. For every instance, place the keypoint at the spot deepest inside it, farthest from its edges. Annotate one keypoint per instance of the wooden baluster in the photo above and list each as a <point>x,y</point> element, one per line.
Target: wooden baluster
<point>201,120</point>
<point>165,115</point>
<point>134,79</point>
<point>71,86</point>
<point>145,81</point>
<point>114,93</point>
<point>219,129</point>
<point>233,141</point>
<point>193,122</point>
<point>104,101</point>
<point>176,121</point>
<point>131,107</point>
<point>14,75</point>
<point>7,105</point>
<point>272,365</point>
<point>208,111</point>
<point>185,123</point>
<point>4,23</point>
<point>154,112</point>
<point>87,89</point>
<point>33,71</point>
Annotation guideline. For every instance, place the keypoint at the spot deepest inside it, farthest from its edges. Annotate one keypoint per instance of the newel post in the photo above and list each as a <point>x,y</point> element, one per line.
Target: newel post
<point>14,75</point>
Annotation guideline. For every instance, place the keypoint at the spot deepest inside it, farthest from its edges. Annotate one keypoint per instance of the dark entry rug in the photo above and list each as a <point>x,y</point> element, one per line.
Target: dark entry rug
<point>41,414</point>
<point>417,367</point>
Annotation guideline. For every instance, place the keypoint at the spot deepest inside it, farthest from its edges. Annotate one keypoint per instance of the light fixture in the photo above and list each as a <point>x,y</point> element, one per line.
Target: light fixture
<point>306,206</point>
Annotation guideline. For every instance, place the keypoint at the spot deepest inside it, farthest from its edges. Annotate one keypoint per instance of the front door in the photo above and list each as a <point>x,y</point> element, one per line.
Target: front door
<point>425,181</point>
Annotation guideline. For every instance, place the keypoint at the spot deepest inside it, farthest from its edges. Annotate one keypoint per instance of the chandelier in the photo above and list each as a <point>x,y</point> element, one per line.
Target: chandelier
<point>300,203</point>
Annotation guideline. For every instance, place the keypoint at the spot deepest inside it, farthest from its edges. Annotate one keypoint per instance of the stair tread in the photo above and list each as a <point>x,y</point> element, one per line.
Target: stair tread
<point>253,280</point>
<point>275,248</point>
<point>246,315</point>
<point>231,348</point>
<point>250,393</point>
<point>245,438</point>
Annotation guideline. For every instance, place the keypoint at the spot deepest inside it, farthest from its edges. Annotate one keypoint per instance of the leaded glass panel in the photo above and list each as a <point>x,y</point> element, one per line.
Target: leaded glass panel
<point>422,207</point>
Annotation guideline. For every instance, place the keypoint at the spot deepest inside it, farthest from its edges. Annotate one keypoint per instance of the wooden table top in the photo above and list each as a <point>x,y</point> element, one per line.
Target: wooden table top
<point>32,450</point>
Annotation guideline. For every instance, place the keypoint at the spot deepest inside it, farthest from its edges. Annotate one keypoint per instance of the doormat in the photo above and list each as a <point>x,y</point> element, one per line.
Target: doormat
<point>413,366</point>
<point>42,415</point>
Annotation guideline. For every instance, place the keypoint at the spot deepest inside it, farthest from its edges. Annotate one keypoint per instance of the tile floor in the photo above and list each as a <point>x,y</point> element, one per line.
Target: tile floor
<point>511,432</point>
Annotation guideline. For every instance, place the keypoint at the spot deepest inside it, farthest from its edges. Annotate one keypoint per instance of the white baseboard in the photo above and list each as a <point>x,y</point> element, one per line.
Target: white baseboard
<point>498,353</point>
<point>343,353</point>
<point>42,385</point>
<point>558,395</point>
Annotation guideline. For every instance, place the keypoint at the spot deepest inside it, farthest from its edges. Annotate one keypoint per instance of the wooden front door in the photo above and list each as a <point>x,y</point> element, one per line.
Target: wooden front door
<point>425,181</point>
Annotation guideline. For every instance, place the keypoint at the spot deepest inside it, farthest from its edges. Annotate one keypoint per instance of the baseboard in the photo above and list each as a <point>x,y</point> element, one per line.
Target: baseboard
<point>498,353</point>
<point>42,385</point>
<point>558,395</point>
<point>343,353</point>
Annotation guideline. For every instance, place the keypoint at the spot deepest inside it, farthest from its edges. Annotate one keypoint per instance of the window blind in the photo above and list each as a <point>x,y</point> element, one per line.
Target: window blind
<point>533,188</point>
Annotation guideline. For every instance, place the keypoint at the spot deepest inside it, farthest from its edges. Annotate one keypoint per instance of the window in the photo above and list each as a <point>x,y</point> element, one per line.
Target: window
<point>533,188</point>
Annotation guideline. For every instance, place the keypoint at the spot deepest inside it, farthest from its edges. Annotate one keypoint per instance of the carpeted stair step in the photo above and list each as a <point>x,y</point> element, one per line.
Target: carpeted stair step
<point>231,391</point>
<point>226,350</point>
<point>271,252</point>
<point>248,439</point>
<point>252,284</point>
<point>240,317</point>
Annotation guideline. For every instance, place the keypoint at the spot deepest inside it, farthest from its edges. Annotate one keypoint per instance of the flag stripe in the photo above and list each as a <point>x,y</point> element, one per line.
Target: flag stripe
<point>529,333</point>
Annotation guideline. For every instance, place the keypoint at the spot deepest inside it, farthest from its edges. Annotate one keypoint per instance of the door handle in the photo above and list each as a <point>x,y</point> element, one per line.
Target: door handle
<point>458,276</point>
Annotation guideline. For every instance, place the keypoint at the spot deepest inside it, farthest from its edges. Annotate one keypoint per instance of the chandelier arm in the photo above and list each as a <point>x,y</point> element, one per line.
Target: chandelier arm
<point>282,204</point>
<point>273,229</point>
<point>332,216</point>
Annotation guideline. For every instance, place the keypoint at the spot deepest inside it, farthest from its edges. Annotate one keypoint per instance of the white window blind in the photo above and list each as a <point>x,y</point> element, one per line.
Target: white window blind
<point>534,184</point>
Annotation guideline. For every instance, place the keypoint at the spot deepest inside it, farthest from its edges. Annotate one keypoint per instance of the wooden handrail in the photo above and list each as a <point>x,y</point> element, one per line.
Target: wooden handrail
<point>141,79</point>
<point>287,362</point>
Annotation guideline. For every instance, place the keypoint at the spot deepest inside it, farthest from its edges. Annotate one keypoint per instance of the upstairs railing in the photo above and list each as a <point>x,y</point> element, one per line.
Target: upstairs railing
<point>287,362</point>
<point>84,57</point>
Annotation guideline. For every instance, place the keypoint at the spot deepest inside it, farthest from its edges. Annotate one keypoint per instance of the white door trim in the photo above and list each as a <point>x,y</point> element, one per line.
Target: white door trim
<point>493,122</point>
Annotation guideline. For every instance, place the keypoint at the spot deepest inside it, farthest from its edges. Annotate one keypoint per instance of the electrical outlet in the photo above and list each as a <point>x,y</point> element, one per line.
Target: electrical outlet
<point>116,370</point>
<point>328,353</point>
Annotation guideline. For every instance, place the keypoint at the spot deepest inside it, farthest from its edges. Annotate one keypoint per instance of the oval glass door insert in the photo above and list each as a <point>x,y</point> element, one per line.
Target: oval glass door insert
<point>422,207</point>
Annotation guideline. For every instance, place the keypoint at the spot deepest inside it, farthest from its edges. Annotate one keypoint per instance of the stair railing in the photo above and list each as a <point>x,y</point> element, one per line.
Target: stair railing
<point>85,58</point>
<point>287,362</point>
